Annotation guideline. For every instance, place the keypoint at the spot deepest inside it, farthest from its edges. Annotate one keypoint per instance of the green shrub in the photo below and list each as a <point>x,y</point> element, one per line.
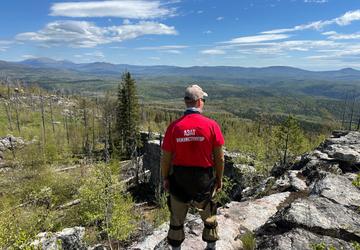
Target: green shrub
<point>356,182</point>
<point>248,240</point>
<point>322,246</point>
<point>103,204</point>
<point>223,196</point>
<point>355,245</point>
<point>162,213</point>
<point>18,227</point>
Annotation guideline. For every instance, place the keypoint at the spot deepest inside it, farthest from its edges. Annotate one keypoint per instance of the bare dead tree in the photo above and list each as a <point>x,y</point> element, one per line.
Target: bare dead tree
<point>8,114</point>
<point>66,128</point>
<point>42,109</point>
<point>16,100</point>
<point>352,112</point>
<point>93,126</point>
<point>86,128</point>
<point>344,111</point>
<point>52,116</point>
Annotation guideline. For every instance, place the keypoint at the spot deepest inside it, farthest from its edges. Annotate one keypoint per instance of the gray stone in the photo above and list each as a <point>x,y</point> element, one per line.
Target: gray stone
<point>321,155</point>
<point>319,215</point>
<point>247,215</point>
<point>290,182</point>
<point>253,214</point>
<point>339,189</point>
<point>296,183</point>
<point>262,189</point>
<point>299,239</point>
<point>97,247</point>
<point>344,153</point>
<point>68,238</point>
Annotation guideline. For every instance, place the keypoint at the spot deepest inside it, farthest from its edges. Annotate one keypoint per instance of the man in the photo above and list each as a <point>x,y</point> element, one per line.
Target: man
<point>192,167</point>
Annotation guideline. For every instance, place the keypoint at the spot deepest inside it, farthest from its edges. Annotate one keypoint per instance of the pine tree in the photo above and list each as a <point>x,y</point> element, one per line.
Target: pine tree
<point>289,139</point>
<point>127,117</point>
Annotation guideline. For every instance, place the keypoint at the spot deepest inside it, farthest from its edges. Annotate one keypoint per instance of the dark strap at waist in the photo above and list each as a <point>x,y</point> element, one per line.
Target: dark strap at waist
<point>193,168</point>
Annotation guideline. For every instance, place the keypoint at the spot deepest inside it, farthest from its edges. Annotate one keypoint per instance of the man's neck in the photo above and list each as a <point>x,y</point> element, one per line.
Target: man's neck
<point>191,110</point>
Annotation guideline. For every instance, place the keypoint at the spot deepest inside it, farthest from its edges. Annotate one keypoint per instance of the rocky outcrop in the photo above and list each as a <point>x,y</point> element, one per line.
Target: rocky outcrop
<point>328,211</point>
<point>69,238</point>
<point>234,220</point>
<point>10,142</point>
<point>309,203</point>
<point>300,239</point>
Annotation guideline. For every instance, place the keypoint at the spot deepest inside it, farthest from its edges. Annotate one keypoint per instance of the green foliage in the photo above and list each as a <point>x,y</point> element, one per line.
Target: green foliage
<point>356,182</point>
<point>248,240</point>
<point>103,203</point>
<point>289,139</point>
<point>322,246</point>
<point>19,227</point>
<point>223,196</point>
<point>123,221</point>
<point>162,213</point>
<point>127,117</point>
<point>355,245</point>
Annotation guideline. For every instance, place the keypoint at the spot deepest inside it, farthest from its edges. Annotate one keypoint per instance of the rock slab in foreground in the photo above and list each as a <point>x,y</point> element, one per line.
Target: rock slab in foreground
<point>339,189</point>
<point>236,216</point>
<point>69,239</point>
<point>318,215</point>
<point>299,239</point>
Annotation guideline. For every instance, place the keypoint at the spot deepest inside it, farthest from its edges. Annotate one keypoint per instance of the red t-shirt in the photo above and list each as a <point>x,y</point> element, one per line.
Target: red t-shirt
<point>192,139</point>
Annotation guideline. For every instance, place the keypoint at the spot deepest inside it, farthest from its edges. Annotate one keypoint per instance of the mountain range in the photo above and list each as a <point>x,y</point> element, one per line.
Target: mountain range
<point>203,72</point>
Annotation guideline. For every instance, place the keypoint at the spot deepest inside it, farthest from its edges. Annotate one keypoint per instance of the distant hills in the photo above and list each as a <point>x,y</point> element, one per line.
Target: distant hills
<point>211,72</point>
<point>162,81</point>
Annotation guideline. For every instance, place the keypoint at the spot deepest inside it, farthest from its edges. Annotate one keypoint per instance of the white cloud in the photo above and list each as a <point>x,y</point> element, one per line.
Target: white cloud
<point>213,52</point>
<point>207,32</point>
<point>4,45</point>
<point>348,18</point>
<point>97,54</point>
<point>257,38</point>
<point>154,58</point>
<point>28,56</point>
<point>164,47</point>
<point>86,34</point>
<point>343,20</point>
<point>200,12</point>
<point>172,51</point>
<point>133,9</point>
<point>220,18</point>
<point>335,36</point>
<point>126,21</point>
<point>316,1</point>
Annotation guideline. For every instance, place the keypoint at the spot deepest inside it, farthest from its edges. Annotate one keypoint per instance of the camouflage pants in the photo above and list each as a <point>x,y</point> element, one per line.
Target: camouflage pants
<point>178,211</point>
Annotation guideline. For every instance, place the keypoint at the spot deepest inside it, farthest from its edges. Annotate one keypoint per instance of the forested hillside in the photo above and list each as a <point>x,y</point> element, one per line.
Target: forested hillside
<point>64,160</point>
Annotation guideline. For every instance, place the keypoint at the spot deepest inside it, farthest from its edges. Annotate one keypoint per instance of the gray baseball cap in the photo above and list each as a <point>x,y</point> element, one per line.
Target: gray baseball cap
<point>194,92</point>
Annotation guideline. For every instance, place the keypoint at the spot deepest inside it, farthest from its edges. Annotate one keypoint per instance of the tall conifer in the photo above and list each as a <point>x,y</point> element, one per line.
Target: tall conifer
<point>127,118</point>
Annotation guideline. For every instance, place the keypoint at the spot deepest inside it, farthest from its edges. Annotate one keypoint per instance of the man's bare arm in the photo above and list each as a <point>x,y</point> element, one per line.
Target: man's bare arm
<point>219,161</point>
<point>165,164</point>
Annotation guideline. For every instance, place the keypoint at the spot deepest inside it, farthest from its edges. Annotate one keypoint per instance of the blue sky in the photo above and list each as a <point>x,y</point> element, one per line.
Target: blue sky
<point>310,34</point>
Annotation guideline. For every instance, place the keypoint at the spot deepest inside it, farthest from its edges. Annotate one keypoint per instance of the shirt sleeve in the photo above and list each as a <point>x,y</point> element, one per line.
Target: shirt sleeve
<point>167,144</point>
<point>218,136</point>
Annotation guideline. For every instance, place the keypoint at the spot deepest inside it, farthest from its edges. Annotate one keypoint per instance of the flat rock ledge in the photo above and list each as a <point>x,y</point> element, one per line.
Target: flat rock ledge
<point>234,220</point>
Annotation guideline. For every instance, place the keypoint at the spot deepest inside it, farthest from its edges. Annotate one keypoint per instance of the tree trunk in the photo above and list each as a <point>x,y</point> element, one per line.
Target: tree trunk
<point>43,119</point>
<point>52,117</point>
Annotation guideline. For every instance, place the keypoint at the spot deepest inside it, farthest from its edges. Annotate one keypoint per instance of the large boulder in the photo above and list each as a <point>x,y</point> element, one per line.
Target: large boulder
<point>318,215</point>
<point>344,147</point>
<point>300,239</point>
<point>69,239</point>
<point>339,189</point>
<point>234,220</point>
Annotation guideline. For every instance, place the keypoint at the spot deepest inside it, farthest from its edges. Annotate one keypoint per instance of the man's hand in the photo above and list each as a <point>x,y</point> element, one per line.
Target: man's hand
<point>218,154</point>
<point>218,186</point>
<point>166,184</point>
